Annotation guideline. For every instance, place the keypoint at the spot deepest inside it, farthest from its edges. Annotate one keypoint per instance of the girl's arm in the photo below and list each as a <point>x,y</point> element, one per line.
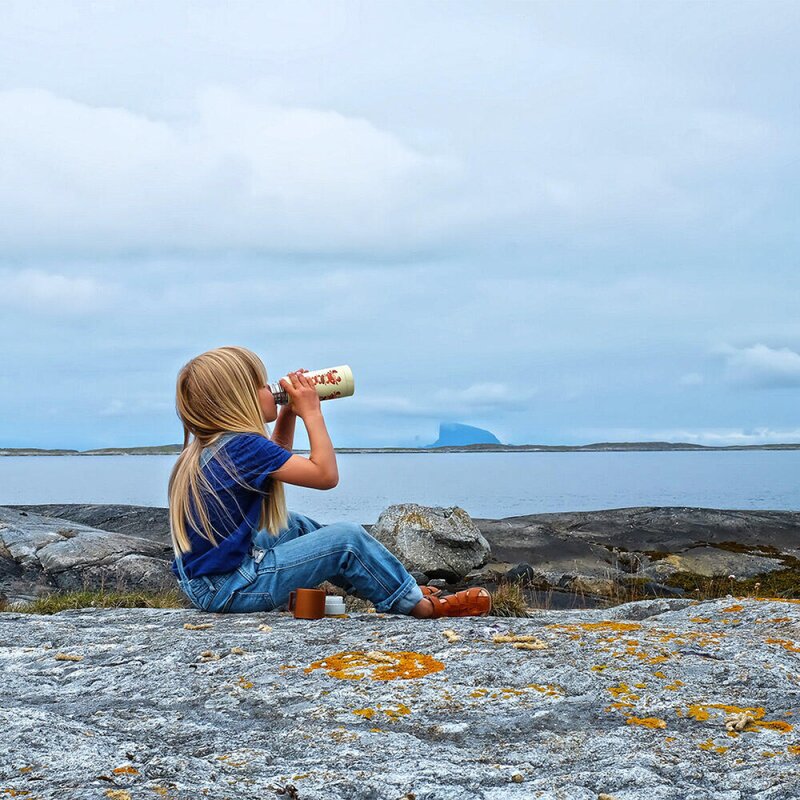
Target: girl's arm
<point>319,470</point>
<point>283,432</point>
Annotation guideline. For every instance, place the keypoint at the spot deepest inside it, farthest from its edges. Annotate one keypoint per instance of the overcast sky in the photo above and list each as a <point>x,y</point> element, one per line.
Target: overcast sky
<point>565,222</point>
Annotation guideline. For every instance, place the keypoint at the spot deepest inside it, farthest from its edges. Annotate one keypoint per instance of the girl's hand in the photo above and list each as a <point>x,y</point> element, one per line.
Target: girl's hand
<point>288,410</point>
<point>303,397</point>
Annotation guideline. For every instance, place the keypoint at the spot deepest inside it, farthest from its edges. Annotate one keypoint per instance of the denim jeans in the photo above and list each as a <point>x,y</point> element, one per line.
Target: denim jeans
<point>303,555</point>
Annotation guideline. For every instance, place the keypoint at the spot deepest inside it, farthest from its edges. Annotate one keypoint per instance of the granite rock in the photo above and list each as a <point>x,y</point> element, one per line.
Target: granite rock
<point>441,542</point>
<point>40,554</point>
<point>630,701</point>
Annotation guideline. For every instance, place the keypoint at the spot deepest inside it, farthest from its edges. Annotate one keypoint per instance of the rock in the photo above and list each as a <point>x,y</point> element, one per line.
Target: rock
<point>147,522</point>
<point>441,542</point>
<point>629,702</point>
<point>420,577</point>
<point>39,554</point>
<point>582,584</point>
<point>646,543</point>
<point>711,561</point>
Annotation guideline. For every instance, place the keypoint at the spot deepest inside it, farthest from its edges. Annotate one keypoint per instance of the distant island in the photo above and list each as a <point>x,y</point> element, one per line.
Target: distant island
<point>455,434</point>
<point>174,449</point>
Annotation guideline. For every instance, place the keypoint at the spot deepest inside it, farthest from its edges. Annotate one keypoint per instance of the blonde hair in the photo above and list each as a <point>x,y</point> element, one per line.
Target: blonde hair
<point>216,393</point>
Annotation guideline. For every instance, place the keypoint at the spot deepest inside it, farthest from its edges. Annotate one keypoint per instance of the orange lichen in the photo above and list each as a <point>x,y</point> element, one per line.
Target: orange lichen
<point>700,620</point>
<point>699,711</point>
<point>794,749</point>
<point>244,683</point>
<point>773,725</point>
<point>392,714</point>
<point>734,607</point>
<point>380,666</point>
<point>647,722</point>
<point>709,745</point>
<point>786,644</point>
<point>126,770</point>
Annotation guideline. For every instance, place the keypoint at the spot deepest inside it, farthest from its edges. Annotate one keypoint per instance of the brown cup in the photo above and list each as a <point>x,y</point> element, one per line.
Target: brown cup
<point>307,603</point>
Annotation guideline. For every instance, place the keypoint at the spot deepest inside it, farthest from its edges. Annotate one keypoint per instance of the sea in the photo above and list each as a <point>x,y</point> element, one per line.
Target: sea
<point>486,485</point>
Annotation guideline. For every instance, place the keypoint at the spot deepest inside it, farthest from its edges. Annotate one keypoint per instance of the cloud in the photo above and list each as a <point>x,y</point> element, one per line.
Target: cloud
<point>760,366</point>
<point>715,437</point>
<point>52,293</point>
<point>691,379</point>
<point>448,403</point>
<point>238,174</point>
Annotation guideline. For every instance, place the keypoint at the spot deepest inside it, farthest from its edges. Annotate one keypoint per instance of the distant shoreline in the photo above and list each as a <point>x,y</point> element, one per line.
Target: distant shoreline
<point>600,447</point>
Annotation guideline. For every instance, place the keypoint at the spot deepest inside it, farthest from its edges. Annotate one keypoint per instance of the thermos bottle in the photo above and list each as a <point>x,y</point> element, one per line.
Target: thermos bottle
<point>329,383</point>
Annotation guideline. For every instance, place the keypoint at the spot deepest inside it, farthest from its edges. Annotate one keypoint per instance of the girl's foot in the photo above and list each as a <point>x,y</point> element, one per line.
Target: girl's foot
<point>473,602</point>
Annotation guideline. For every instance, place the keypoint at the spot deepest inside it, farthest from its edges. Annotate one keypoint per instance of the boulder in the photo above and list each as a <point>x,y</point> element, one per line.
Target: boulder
<point>39,554</point>
<point>441,542</point>
<point>631,701</point>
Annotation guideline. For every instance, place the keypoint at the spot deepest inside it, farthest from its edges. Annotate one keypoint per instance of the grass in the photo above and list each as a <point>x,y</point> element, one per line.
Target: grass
<point>783,583</point>
<point>98,598</point>
<point>508,600</point>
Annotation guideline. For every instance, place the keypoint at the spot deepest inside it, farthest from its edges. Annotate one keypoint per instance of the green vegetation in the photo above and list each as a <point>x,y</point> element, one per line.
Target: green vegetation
<point>89,598</point>
<point>783,583</point>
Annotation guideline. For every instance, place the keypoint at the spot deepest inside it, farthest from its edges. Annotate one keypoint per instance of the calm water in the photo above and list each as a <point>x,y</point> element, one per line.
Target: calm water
<point>485,484</point>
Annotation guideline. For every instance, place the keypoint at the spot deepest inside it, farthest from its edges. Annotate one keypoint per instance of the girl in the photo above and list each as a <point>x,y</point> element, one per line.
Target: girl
<point>237,549</point>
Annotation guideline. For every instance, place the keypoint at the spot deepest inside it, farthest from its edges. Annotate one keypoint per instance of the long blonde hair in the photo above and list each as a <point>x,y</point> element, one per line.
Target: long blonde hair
<point>217,393</point>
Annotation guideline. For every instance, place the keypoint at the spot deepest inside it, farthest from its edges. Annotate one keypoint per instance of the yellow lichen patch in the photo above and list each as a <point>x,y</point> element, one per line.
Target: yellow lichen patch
<point>640,685</point>
<point>773,725</point>
<point>118,794</point>
<point>700,620</point>
<point>550,689</point>
<point>620,704</point>
<point>647,722</point>
<point>479,693</point>
<point>244,683</point>
<point>287,666</point>
<point>674,686</point>
<point>709,745</point>
<point>15,792</point>
<point>67,657</point>
<point>451,636</point>
<point>769,754</point>
<point>26,769</point>
<point>203,626</point>
<point>392,713</point>
<point>660,674</point>
<point>380,666</point>
<point>734,607</point>
<point>599,667</point>
<point>786,644</point>
<point>670,739</point>
<point>698,710</point>
<point>605,625</point>
<point>522,642</point>
<point>126,770</point>
<point>226,757</point>
<point>793,749</point>
<point>623,692</point>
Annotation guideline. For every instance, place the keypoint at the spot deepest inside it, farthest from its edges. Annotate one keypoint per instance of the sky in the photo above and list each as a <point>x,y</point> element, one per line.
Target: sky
<point>565,222</point>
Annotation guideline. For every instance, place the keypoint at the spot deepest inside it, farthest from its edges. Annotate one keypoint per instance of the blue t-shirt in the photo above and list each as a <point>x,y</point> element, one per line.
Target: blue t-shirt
<point>236,516</point>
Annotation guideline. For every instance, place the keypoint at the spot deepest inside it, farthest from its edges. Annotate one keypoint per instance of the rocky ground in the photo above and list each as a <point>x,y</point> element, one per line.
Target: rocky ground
<point>661,699</point>
<point>584,558</point>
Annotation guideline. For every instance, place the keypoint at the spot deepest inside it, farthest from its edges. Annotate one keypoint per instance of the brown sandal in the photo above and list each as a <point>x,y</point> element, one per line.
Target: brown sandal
<point>473,602</point>
<point>428,591</point>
